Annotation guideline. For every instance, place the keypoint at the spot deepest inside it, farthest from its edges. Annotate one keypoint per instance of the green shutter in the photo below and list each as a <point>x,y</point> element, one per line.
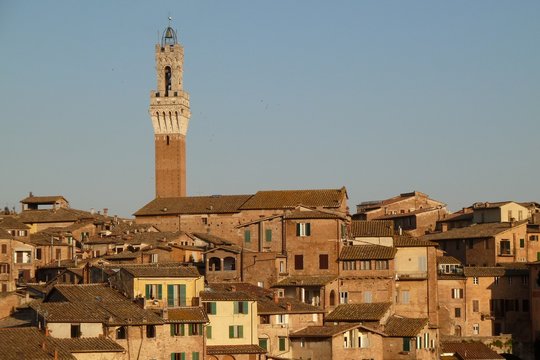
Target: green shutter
<point>236,307</point>
<point>245,307</point>
<point>538,256</point>
<point>173,356</point>
<point>213,309</point>
<point>406,344</point>
<point>297,229</point>
<point>281,344</point>
<point>208,332</point>
<point>172,329</point>
<point>182,330</point>
<point>195,355</point>
<point>159,291</point>
<point>263,343</point>
<point>182,295</point>
<point>231,332</point>
<point>240,331</point>
<point>268,234</point>
<point>170,295</point>
<point>190,329</point>
<point>148,291</point>
<point>308,229</point>
<point>182,356</point>
<point>247,235</point>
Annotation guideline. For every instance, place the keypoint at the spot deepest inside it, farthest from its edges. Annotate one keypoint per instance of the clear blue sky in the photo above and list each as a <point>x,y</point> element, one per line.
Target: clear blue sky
<point>381,97</point>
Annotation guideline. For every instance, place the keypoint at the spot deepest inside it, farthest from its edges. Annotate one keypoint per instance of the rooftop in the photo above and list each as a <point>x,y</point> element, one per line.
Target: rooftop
<point>484,230</point>
<point>367,252</point>
<point>370,228</point>
<point>283,199</point>
<point>194,205</point>
<point>359,312</point>
<point>326,331</point>
<point>397,326</point>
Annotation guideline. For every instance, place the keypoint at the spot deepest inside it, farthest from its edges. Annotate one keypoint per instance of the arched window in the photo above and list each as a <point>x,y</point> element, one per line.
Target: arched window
<point>229,263</point>
<point>168,75</point>
<point>457,330</point>
<point>214,264</point>
<point>332,298</point>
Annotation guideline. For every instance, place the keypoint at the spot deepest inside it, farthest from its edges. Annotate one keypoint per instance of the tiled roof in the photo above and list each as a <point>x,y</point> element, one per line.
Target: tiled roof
<point>311,214</point>
<point>288,199</point>
<point>194,205</point>
<point>470,350</point>
<point>265,300</point>
<point>54,215</point>
<point>359,312</point>
<point>448,260</point>
<point>5,235</point>
<point>485,230</point>
<point>42,199</point>
<point>367,252</point>
<point>124,255</point>
<point>234,349</point>
<point>406,240</point>
<point>458,216</point>
<point>87,292</point>
<point>511,269</point>
<point>11,223</point>
<point>211,295</point>
<point>27,343</point>
<point>162,271</point>
<point>326,331</point>
<point>369,228</point>
<point>187,315</point>
<point>305,280</point>
<point>406,214</point>
<point>89,345</point>
<point>402,327</point>
<point>212,239</point>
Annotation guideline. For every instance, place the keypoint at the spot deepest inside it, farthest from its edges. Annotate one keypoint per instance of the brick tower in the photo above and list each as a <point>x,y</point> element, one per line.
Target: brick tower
<point>169,110</point>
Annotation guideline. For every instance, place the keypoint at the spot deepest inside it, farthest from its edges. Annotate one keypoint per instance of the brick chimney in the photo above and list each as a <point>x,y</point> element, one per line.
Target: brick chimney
<point>276,297</point>
<point>289,306</point>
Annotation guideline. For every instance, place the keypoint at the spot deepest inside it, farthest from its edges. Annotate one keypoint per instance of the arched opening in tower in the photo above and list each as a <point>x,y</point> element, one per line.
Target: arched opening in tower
<point>167,80</point>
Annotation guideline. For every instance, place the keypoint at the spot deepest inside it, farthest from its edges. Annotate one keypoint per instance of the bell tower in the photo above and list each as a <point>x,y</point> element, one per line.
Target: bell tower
<point>169,110</point>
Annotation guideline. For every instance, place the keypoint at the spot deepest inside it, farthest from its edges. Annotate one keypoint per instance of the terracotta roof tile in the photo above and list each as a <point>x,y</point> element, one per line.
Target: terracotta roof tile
<point>367,252</point>
<point>288,199</point>
<point>5,235</point>
<point>212,239</point>
<point>89,345</point>
<point>187,315</point>
<point>485,230</point>
<point>311,214</point>
<point>511,269</point>
<point>234,349</point>
<point>26,343</point>
<point>403,327</point>
<point>448,260</point>
<point>11,223</point>
<point>54,215</point>
<point>406,240</point>
<point>470,350</point>
<point>159,270</point>
<point>325,331</point>
<point>359,312</point>
<point>305,280</point>
<point>369,228</point>
<point>194,205</point>
<point>407,214</point>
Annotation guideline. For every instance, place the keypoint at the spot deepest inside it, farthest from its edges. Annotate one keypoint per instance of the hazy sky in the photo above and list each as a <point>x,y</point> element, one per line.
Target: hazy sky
<point>381,97</point>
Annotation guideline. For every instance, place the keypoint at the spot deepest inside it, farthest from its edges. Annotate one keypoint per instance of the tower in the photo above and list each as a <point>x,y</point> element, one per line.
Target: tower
<point>169,110</point>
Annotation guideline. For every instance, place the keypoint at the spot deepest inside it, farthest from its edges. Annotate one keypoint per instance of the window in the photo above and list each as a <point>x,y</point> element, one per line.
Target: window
<point>38,254</point>
<point>406,344</point>
<point>520,215</point>
<point>150,331</point>
<point>525,279</point>
<point>522,243</point>
<point>229,263</point>
<point>496,280</point>
<point>470,243</point>
<point>457,312</point>
<point>194,329</point>
<point>303,229</point>
<point>121,332</point>
<point>22,257</point>
<point>195,355</point>
<point>204,220</point>
<point>367,297</point>
<point>381,265</point>
<point>75,330</point>
<point>323,261</point>
<point>509,215</point>
<point>176,295</point>
<point>210,308</point>
<point>363,340</point>
<point>475,280</point>
<point>153,291</point>
<point>343,297</point>
<point>154,258</point>
<point>208,331</point>
<point>268,234</point>
<point>533,238</point>
<point>426,340</point>
<point>298,262</point>
<point>177,330</point>
<point>405,296</point>
<point>178,356</point>
<point>4,268</point>
<point>509,280</point>
<point>457,293</point>
<point>214,264</point>
<point>247,236</point>
<point>240,307</point>
<point>525,305</point>
<point>282,343</point>
<point>264,319</point>
<point>476,329</point>
<point>505,247</point>
<point>418,342</point>
<point>281,267</point>
<point>263,343</point>
<point>282,319</point>
<point>236,331</point>
<point>365,265</point>
<point>4,248</point>
<point>332,298</point>
<point>475,306</point>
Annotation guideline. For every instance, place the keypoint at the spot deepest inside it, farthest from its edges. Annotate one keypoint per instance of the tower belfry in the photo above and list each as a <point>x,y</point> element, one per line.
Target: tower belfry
<point>169,110</point>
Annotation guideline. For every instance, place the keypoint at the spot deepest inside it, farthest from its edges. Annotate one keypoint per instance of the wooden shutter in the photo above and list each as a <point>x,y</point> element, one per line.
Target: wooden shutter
<point>323,261</point>
<point>182,330</point>
<point>406,344</point>
<point>231,332</point>
<point>240,331</point>
<point>308,229</point>
<point>236,307</point>
<point>213,308</point>
<point>148,291</point>
<point>268,233</point>
<point>298,262</point>
<point>298,229</point>
<point>170,295</point>
<point>195,355</point>
<point>182,295</point>
<point>208,331</point>
<point>247,235</point>
<point>281,344</point>
<point>159,291</point>
<point>172,330</point>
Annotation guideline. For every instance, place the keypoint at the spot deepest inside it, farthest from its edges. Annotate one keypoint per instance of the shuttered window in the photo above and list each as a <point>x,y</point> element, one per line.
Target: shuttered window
<point>323,261</point>
<point>298,262</point>
<point>268,234</point>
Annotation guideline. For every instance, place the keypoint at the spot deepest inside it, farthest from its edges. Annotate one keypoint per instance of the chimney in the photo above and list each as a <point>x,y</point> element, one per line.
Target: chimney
<point>289,306</point>
<point>233,288</point>
<point>276,297</point>
<point>165,314</point>
<point>55,354</point>
<point>105,212</point>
